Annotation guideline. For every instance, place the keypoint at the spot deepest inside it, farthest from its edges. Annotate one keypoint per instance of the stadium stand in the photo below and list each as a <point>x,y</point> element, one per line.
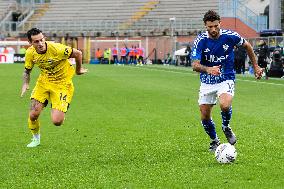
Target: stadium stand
<point>182,9</point>
<point>187,13</point>
<point>5,7</point>
<point>127,18</point>
<point>121,15</point>
<point>89,10</point>
<point>88,15</point>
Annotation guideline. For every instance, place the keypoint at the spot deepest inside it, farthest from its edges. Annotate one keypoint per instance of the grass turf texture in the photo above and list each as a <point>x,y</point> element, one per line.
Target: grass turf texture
<point>139,127</point>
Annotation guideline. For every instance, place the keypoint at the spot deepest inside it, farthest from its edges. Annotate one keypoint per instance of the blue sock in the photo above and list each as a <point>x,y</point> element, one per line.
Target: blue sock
<point>209,127</point>
<point>226,117</point>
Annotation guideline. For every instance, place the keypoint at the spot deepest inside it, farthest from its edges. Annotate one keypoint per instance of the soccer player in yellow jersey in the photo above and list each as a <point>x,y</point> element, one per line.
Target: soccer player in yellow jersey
<point>54,83</point>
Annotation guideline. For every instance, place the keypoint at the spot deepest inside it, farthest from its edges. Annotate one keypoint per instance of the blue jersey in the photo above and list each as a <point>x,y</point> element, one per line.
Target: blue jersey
<point>214,52</point>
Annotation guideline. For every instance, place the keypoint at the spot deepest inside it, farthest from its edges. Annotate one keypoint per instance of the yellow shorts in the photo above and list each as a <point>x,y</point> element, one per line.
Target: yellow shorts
<point>59,95</point>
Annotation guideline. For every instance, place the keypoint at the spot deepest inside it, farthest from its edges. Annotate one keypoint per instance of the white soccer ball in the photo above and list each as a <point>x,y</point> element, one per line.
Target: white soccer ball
<point>226,153</point>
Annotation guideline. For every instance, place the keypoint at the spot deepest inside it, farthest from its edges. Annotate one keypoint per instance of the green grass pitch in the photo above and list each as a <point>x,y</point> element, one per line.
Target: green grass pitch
<point>139,127</point>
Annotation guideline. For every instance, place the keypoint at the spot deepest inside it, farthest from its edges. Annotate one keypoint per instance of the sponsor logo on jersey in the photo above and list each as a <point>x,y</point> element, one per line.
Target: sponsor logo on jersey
<point>225,47</point>
<point>215,59</point>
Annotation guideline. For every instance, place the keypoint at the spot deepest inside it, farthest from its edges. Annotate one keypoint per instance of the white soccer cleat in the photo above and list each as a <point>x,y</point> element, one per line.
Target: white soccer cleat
<point>35,142</point>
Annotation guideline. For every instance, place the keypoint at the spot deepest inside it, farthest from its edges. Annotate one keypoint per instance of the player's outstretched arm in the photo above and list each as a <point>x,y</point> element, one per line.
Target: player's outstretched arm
<point>78,57</point>
<point>26,81</point>
<point>257,70</point>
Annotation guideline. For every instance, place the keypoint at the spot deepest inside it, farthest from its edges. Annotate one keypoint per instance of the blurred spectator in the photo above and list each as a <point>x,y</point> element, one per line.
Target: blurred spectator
<point>240,59</point>
<point>123,52</point>
<point>188,57</point>
<point>263,56</point>
<point>140,55</point>
<point>168,59</point>
<point>107,54</point>
<point>136,55</point>
<point>131,55</point>
<point>276,66</point>
<point>22,50</point>
<point>114,53</point>
<point>99,55</point>
<point>182,60</point>
<point>5,50</point>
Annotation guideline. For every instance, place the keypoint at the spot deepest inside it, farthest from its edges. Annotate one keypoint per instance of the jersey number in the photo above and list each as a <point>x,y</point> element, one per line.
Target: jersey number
<point>63,97</point>
<point>231,87</point>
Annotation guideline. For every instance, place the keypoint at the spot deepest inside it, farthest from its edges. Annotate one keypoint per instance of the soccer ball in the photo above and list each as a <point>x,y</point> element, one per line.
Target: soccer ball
<point>225,153</point>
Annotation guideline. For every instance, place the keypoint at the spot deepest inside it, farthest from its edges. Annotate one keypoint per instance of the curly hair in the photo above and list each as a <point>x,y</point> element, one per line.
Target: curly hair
<point>211,16</point>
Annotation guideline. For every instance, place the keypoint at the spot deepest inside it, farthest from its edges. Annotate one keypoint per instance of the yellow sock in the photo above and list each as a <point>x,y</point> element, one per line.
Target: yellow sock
<point>34,126</point>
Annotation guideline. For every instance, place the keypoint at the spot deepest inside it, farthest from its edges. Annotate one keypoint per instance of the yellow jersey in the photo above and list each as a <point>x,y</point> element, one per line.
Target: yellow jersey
<point>54,63</point>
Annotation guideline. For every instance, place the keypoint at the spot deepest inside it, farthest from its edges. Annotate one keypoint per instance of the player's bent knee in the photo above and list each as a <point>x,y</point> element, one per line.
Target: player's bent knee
<point>57,117</point>
<point>225,107</point>
<point>57,122</point>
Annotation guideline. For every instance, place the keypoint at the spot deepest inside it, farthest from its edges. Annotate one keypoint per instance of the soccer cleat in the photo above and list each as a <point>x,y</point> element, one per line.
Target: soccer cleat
<point>231,137</point>
<point>213,145</point>
<point>35,142</point>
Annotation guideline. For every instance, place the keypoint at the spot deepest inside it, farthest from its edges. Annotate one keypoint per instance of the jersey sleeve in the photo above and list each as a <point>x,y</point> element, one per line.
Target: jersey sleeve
<point>63,51</point>
<point>196,52</point>
<point>238,40</point>
<point>29,64</point>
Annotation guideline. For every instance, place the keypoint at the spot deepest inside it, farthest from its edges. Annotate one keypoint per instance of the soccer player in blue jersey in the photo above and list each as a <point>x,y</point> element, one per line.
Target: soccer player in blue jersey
<point>213,57</point>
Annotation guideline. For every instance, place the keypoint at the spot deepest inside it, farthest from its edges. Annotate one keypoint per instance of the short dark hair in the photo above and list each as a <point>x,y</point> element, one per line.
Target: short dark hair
<point>33,31</point>
<point>211,16</point>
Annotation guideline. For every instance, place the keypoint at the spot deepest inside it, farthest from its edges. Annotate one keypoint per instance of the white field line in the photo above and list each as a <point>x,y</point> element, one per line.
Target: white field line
<point>191,73</point>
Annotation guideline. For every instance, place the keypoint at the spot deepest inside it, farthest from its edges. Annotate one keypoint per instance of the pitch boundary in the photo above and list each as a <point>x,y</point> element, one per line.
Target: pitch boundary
<point>190,72</point>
